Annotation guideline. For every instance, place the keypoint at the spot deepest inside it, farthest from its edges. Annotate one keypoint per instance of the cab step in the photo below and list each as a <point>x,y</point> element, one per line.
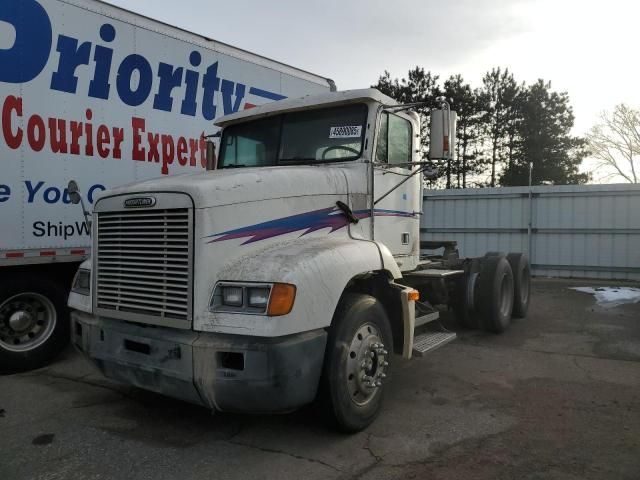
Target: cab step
<point>429,341</point>
<point>429,317</point>
<point>425,313</point>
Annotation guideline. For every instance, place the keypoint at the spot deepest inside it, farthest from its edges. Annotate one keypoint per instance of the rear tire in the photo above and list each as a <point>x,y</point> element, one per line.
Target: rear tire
<point>521,283</point>
<point>463,302</point>
<point>495,293</point>
<point>356,362</point>
<point>34,322</point>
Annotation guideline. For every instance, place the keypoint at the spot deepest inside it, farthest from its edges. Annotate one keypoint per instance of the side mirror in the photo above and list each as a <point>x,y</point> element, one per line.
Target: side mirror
<point>211,155</point>
<point>212,160</point>
<point>76,198</point>
<point>442,141</point>
<point>74,192</point>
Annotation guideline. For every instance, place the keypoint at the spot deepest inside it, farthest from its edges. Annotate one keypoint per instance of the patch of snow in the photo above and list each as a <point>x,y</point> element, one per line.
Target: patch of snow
<point>609,297</point>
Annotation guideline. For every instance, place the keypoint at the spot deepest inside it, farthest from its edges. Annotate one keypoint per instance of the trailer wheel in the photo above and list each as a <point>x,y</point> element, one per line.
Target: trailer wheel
<point>356,362</point>
<point>521,283</point>
<point>495,293</point>
<point>34,322</point>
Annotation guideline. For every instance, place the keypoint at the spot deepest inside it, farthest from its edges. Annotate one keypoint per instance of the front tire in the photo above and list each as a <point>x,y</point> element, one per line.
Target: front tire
<point>34,322</point>
<point>356,362</point>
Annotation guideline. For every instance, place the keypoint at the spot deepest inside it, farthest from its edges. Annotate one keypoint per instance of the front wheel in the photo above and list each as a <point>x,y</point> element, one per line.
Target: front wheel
<point>34,322</point>
<point>356,362</point>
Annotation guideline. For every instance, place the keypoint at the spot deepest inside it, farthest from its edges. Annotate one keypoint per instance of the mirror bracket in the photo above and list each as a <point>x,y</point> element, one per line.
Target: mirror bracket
<point>76,198</point>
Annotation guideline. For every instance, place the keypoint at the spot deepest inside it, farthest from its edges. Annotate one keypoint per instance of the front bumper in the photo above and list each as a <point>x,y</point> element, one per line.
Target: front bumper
<point>223,372</point>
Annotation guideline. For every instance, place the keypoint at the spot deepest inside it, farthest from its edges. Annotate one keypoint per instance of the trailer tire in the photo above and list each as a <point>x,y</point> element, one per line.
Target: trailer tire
<point>359,334</point>
<point>521,283</point>
<point>495,293</point>
<point>34,322</point>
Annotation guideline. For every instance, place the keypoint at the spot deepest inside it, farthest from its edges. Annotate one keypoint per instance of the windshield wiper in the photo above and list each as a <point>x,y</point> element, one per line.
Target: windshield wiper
<point>233,166</point>
<point>296,160</point>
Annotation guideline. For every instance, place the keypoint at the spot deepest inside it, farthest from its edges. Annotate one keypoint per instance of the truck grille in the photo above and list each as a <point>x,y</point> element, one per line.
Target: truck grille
<point>143,264</point>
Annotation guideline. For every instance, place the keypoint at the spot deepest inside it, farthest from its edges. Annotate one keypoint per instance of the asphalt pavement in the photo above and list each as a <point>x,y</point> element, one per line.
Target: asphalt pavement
<point>555,397</point>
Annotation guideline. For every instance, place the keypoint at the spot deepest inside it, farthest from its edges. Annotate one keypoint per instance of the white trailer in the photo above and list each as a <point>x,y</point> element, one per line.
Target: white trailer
<point>107,97</point>
<point>293,270</point>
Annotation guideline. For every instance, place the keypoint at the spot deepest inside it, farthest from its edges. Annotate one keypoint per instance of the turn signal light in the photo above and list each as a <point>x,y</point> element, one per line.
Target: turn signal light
<point>414,295</point>
<point>282,297</point>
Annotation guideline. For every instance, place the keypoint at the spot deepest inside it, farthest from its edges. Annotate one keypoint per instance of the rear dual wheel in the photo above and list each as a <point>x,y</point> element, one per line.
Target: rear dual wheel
<point>481,299</point>
<point>495,293</point>
<point>464,300</point>
<point>519,263</point>
<point>521,283</point>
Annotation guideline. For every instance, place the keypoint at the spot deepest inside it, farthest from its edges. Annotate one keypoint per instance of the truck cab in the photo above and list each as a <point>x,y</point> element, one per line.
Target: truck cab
<point>291,270</point>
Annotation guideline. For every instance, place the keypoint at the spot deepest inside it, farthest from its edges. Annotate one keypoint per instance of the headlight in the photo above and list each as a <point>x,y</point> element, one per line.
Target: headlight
<point>82,282</point>
<point>232,296</point>
<point>258,297</point>
<point>272,299</point>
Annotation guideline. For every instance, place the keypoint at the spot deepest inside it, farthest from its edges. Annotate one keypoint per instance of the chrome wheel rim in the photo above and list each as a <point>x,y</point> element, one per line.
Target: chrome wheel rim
<point>366,364</point>
<point>27,320</point>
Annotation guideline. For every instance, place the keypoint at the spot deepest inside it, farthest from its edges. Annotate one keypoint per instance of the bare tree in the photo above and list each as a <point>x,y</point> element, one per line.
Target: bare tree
<point>615,143</point>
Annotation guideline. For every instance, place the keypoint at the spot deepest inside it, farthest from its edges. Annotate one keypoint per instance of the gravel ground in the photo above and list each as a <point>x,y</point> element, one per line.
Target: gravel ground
<point>556,397</point>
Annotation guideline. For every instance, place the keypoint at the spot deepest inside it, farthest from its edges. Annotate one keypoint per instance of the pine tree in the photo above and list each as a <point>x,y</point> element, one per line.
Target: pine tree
<point>391,87</point>
<point>501,128</point>
<point>498,98</point>
<point>545,120</point>
<point>419,86</point>
<point>465,103</point>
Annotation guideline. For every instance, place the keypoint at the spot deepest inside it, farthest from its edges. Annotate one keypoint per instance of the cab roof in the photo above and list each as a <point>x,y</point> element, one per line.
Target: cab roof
<point>318,100</point>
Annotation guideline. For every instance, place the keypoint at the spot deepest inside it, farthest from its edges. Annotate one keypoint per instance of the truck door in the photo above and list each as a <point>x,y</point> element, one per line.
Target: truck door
<point>397,218</point>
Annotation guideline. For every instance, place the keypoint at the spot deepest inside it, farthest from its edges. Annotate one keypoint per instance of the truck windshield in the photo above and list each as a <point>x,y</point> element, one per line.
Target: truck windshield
<point>313,136</point>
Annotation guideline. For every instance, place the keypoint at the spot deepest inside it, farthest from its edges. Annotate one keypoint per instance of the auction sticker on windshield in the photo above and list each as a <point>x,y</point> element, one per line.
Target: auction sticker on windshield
<point>346,132</point>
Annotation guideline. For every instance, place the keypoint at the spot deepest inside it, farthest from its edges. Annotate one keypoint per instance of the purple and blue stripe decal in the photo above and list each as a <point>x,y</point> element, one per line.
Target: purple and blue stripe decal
<point>307,222</point>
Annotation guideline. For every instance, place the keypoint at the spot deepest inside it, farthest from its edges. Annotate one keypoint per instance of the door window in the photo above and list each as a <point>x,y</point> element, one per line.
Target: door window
<point>394,140</point>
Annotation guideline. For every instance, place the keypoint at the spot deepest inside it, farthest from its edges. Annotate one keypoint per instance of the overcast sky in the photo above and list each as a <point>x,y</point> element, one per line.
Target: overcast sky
<point>587,48</point>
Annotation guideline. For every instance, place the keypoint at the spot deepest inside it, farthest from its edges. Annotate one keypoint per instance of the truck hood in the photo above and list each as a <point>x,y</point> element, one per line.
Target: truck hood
<point>231,186</point>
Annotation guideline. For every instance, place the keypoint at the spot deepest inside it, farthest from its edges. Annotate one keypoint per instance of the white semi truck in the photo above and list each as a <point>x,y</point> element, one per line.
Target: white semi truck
<point>291,270</point>
<point>96,93</point>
